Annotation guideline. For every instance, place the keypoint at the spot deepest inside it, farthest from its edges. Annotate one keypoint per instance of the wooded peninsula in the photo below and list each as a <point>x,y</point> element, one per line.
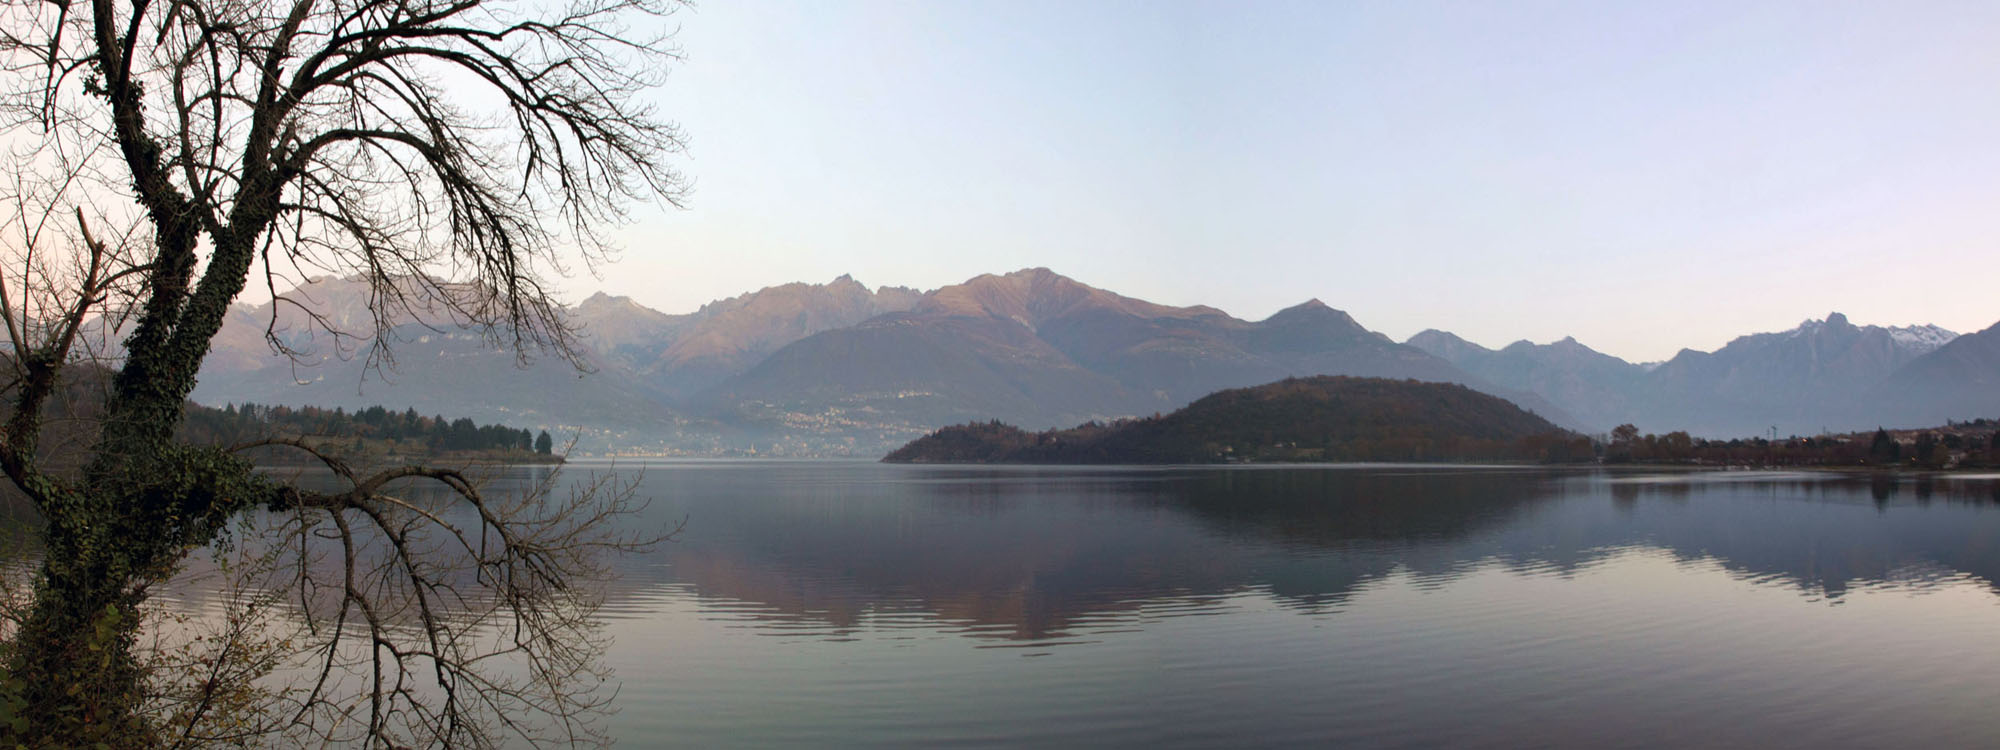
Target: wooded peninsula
<point>1326,418</point>
<point>1354,419</point>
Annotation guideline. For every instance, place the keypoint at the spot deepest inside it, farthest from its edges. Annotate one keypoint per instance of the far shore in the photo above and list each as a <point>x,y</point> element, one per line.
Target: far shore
<point>435,459</point>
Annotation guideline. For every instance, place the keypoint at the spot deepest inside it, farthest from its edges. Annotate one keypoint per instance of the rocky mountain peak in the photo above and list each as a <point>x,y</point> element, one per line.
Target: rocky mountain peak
<point>1033,296</point>
<point>1314,314</point>
<point>1433,334</point>
<point>1309,308</point>
<point>1914,339</point>
<point>1447,346</point>
<point>1922,339</point>
<point>603,300</point>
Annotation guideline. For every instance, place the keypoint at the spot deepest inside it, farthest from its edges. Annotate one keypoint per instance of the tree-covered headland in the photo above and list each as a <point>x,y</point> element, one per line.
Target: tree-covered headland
<point>1326,418</point>
<point>374,433</point>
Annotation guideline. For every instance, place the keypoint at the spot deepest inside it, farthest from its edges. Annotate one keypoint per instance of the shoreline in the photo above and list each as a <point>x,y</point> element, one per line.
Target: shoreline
<point>430,459</point>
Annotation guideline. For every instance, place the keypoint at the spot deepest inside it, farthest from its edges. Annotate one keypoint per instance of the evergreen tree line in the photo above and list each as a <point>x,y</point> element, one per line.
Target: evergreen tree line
<point>1931,449</point>
<point>237,423</point>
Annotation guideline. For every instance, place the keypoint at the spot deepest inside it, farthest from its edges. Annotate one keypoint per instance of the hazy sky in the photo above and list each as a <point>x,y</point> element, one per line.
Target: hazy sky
<point>1644,176</point>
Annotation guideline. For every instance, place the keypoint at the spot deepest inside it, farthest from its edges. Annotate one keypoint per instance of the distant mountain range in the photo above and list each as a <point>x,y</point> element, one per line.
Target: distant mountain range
<point>683,355</point>
<point>1824,374</point>
<point>842,369</point>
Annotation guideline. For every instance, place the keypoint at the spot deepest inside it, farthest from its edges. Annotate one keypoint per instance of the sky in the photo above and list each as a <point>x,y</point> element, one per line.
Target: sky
<point>1642,176</point>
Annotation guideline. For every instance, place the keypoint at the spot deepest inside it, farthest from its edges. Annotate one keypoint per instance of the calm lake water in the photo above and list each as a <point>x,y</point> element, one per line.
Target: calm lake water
<point>845,604</point>
<point>861,604</point>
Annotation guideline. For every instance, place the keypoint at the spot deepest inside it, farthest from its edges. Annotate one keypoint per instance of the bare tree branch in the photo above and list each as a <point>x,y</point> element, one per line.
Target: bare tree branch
<point>450,153</point>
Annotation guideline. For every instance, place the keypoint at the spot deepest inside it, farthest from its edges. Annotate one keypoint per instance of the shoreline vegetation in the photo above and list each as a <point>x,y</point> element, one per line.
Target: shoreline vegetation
<point>367,436</point>
<point>374,435</point>
<point>1972,445</point>
<point>1337,419</point>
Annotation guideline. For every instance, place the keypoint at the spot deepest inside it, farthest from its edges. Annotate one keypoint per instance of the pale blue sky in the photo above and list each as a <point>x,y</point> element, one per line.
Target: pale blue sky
<point>1644,176</point>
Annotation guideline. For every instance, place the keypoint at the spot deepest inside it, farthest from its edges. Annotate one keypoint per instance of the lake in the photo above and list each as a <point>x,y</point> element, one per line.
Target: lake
<point>863,604</point>
<point>850,603</point>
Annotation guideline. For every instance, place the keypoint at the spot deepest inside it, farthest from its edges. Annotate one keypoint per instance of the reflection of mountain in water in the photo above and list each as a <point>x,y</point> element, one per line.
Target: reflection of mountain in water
<point>1020,554</point>
<point>1041,553</point>
<point>1035,554</point>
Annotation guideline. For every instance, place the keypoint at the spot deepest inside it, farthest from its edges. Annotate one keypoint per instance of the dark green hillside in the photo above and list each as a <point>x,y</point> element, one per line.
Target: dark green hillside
<point>371,434</point>
<point>1328,418</point>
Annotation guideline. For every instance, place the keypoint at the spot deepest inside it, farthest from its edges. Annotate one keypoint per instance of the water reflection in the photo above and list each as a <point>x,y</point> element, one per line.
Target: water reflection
<point>809,603</point>
<point>1040,554</point>
<point>1037,554</point>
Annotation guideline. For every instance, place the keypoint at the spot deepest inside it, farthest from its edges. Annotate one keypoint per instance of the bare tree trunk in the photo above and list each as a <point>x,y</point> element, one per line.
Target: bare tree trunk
<point>314,135</point>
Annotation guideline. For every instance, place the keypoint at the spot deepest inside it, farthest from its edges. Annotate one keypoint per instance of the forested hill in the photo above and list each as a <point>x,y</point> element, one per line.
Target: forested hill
<point>372,431</point>
<point>1326,418</point>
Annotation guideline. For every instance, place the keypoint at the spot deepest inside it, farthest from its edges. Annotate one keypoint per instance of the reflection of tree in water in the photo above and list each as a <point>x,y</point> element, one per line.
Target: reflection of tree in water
<point>197,576</point>
<point>1026,554</point>
<point>1039,555</point>
<point>1827,534</point>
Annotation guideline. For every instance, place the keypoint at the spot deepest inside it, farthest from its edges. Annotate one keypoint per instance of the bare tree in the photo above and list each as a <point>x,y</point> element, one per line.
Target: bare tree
<point>444,150</point>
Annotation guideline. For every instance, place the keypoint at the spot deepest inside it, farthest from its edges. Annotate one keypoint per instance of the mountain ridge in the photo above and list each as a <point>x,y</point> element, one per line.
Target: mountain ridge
<point>1817,374</point>
<point>841,367</point>
<point>1050,351</point>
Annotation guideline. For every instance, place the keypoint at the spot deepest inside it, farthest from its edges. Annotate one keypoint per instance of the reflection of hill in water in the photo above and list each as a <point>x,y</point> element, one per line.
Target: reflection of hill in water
<point>1336,530</point>
<point>1040,552</point>
<point>1021,554</point>
<point>1026,554</point>
<point>1820,533</point>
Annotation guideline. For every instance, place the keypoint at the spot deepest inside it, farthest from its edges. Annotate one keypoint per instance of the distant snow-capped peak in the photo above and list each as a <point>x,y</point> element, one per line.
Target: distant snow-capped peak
<point>1918,339</point>
<point>1922,339</point>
